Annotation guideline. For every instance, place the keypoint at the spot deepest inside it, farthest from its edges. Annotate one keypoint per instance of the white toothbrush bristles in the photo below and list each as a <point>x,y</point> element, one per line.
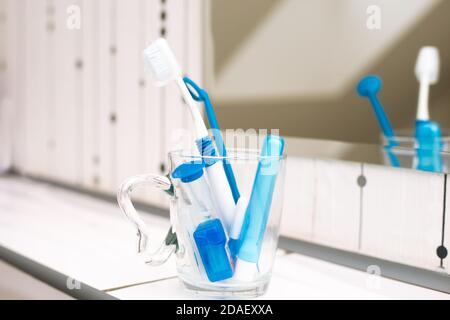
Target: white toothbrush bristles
<point>163,65</point>
<point>161,62</point>
<point>427,73</point>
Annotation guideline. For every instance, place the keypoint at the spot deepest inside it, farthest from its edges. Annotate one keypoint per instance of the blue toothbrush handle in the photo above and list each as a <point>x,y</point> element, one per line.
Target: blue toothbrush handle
<point>429,140</point>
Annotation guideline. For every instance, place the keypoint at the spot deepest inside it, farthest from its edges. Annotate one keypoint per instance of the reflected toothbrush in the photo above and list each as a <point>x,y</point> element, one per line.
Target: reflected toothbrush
<point>369,87</point>
<point>428,133</point>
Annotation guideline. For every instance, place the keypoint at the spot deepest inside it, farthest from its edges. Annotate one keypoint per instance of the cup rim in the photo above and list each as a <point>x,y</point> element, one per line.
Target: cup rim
<point>407,135</point>
<point>232,154</point>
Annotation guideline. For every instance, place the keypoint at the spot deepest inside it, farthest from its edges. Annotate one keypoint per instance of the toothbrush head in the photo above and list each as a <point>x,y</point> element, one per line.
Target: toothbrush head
<point>369,85</point>
<point>427,65</point>
<point>161,62</point>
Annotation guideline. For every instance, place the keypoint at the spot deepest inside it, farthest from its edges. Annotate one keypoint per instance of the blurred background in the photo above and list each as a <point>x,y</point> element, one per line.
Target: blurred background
<point>78,108</point>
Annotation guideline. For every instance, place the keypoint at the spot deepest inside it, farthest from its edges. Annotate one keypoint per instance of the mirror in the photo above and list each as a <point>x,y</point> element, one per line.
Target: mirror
<point>294,66</point>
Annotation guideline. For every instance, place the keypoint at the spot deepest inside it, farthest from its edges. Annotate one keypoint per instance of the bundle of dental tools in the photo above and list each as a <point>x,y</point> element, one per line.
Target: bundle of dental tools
<point>225,228</point>
<point>428,136</point>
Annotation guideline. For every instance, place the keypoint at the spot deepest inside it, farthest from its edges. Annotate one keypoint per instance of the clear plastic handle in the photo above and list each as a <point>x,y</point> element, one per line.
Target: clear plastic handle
<point>124,199</point>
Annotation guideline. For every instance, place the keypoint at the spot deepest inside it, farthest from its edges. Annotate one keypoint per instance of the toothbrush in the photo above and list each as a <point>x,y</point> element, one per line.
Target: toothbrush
<point>164,67</point>
<point>428,133</point>
<point>162,63</point>
<point>368,87</point>
<point>200,95</point>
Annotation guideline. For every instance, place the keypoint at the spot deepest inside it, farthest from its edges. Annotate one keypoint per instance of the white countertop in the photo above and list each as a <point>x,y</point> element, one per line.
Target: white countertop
<point>88,239</point>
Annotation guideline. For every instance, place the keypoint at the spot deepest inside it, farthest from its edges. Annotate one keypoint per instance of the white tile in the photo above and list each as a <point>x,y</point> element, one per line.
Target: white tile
<point>36,119</point>
<point>90,94</point>
<point>129,147</point>
<point>322,202</point>
<point>16,72</point>
<point>336,204</point>
<point>153,150</point>
<point>195,59</point>
<point>175,114</point>
<point>64,107</point>
<point>12,77</point>
<point>402,215</point>
<point>106,97</point>
<point>67,133</point>
<point>141,144</point>
<point>299,195</point>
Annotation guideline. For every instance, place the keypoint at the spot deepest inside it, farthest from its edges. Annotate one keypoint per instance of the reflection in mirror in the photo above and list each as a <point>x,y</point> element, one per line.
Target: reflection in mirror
<point>295,66</point>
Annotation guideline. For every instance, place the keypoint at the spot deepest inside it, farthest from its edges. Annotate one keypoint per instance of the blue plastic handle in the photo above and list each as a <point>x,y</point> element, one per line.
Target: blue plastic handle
<point>429,140</point>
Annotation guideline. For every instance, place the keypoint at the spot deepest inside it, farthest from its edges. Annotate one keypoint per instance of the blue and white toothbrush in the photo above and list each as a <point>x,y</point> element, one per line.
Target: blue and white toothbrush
<point>200,95</point>
<point>162,63</point>
<point>428,133</point>
<point>369,87</point>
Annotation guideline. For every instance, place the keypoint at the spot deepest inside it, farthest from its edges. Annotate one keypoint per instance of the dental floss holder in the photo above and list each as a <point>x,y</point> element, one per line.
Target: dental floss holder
<point>209,236</point>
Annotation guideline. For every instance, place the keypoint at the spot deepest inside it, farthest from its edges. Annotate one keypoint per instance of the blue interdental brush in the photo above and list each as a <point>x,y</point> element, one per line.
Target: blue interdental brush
<point>369,87</point>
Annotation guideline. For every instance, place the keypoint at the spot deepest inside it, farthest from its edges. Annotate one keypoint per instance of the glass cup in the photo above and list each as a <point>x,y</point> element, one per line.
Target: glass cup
<point>212,263</point>
<point>403,151</point>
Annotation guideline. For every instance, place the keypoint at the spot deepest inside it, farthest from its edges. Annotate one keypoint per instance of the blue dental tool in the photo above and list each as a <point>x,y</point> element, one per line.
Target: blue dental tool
<point>369,87</point>
<point>258,209</point>
<point>200,95</point>
<point>211,240</point>
<point>208,232</point>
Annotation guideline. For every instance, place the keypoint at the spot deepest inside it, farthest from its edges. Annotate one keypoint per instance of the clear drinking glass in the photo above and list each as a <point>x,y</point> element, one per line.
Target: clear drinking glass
<point>405,152</point>
<point>245,164</point>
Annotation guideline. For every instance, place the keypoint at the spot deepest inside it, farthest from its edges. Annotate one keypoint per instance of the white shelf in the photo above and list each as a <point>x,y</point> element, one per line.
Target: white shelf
<point>87,239</point>
<point>296,277</point>
<point>82,237</point>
